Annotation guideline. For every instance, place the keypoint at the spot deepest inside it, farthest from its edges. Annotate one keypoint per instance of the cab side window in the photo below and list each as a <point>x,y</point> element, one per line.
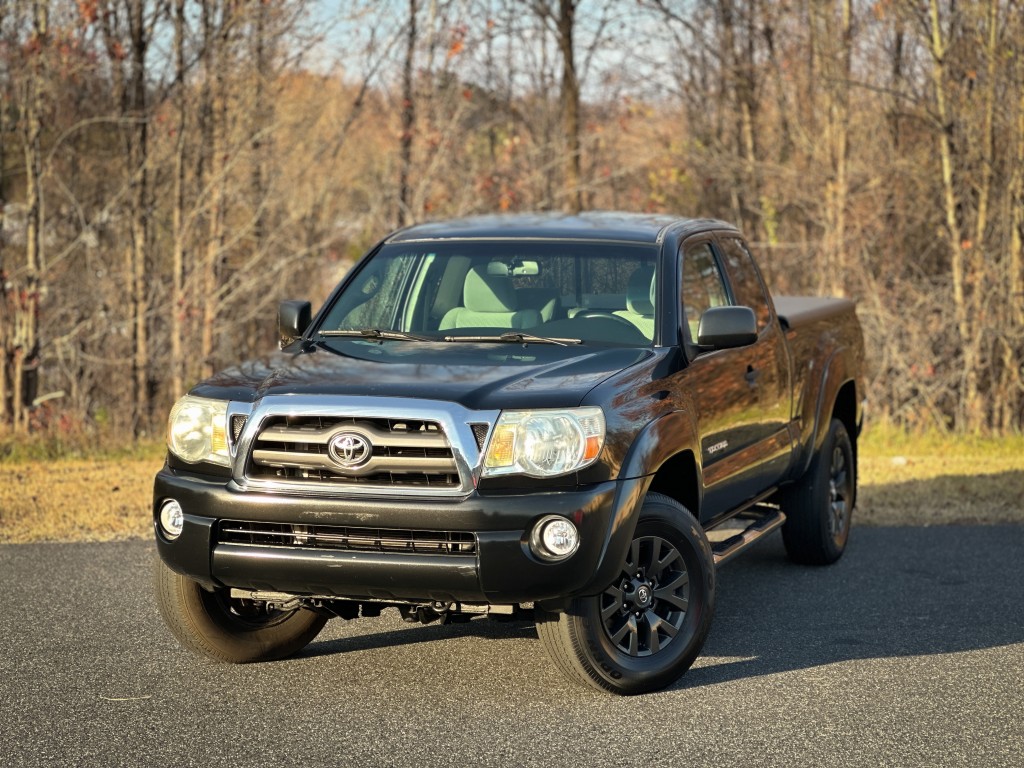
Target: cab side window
<point>747,287</point>
<point>703,287</point>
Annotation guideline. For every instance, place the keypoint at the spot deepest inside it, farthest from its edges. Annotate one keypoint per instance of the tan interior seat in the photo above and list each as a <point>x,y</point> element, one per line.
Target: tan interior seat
<point>489,301</point>
<point>544,300</point>
<point>640,300</point>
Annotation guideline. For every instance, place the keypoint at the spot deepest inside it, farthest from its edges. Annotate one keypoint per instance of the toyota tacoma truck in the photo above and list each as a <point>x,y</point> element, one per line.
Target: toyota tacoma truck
<point>574,419</point>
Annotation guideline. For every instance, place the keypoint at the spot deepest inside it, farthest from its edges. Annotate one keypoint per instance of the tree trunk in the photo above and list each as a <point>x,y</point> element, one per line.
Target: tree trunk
<point>178,303</point>
<point>260,127</point>
<point>138,159</point>
<point>570,98</point>
<point>837,68</point>
<point>739,63</point>
<point>404,213</point>
<point>26,355</point>
<point>6,300</point>
<point>968,412</point>
<point>1013,341</point>
<point>216,37</point>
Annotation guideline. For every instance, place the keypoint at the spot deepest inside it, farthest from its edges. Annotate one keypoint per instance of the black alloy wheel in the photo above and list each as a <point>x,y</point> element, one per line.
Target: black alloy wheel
<point>644,609</point>
<point>647,627</point>
<point>819,507</point>
<point>840,493</point>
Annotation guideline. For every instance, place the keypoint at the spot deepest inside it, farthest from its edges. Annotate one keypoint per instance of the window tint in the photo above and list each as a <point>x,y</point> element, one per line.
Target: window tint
<point>596,280</point>
<point>563,289</point>
<point>703,286</point>
<point>372,300</point>
<point>746,284</point>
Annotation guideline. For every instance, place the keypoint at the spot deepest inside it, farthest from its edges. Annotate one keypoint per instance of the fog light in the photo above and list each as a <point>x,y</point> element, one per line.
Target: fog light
<point>172,519</point>
<point>554,538</point>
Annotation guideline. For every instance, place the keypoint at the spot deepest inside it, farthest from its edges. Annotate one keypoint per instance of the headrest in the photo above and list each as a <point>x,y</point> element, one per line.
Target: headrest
<point>485,292</point>
<point>640,292</point>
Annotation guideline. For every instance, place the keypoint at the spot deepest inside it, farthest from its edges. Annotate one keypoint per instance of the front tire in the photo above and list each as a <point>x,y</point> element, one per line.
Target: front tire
<point>819,508</point>
<point>223,628</point>
<point>646,629</point>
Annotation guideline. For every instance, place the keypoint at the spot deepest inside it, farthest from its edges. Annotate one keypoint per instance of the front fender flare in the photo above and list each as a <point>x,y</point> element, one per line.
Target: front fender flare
<point>663,438</point>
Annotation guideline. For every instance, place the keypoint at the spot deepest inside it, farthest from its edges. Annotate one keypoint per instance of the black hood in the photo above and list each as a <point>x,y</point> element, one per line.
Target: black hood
<point>477,376</point>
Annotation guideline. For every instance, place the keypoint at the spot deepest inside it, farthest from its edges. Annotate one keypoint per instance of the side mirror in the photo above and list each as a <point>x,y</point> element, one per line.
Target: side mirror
<point>727,328</point>
<point>293,318</point>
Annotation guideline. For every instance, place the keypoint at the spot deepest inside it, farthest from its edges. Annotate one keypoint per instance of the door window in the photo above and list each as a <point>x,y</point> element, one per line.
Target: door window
<point>746,282</point>
<point>703,286</point>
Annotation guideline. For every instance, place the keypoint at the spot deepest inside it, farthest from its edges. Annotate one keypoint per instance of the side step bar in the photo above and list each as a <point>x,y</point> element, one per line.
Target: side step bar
<point>767,520</point>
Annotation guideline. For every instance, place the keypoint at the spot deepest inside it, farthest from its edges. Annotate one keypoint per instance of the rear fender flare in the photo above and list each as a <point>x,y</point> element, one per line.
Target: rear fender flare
<point>833,379</point>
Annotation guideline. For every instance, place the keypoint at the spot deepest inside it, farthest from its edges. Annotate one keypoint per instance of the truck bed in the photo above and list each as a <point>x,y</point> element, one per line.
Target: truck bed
<point>799,311</point>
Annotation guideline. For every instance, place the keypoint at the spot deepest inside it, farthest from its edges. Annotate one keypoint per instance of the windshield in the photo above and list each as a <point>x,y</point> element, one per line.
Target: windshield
<point>513,291</point>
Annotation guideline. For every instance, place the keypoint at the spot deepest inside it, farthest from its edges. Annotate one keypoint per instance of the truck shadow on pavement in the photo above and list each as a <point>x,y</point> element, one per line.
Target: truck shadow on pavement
<point>897,592</point>
<point>412,634</point>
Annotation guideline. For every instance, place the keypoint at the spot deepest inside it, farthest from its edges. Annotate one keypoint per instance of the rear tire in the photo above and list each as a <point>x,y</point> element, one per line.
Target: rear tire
<point>646,629</point>
<point>223,628</point>
<point>819,508</point>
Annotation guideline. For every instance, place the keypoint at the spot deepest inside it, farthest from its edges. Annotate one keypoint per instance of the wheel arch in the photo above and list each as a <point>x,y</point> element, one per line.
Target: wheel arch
<point>845,409</point>
<point>666,451</point>
<point>836,396</point>
<point>663,459</point>
<point>678,477</point>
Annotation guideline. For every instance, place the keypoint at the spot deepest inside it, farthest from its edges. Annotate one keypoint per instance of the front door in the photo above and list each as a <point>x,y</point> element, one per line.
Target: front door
<point>726,388</point>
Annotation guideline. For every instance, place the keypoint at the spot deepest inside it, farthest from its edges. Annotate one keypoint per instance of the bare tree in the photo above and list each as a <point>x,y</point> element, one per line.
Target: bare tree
<point>26,312</point>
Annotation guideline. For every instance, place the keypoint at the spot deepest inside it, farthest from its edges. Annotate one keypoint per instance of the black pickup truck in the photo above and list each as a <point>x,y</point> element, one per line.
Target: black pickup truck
<point>569,418</point>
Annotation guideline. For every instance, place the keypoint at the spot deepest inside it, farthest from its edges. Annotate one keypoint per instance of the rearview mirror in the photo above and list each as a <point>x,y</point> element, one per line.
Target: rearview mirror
<point>727,328</point>
<point>293,318</point>
<point>514,268</point>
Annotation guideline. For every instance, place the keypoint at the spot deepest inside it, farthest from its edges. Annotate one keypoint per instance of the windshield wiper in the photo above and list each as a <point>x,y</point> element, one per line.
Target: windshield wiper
<point>379,334</point>
<point>515,337</point>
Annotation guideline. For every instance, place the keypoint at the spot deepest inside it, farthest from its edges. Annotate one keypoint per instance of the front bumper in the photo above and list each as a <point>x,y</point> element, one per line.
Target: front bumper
<point>502,570</point>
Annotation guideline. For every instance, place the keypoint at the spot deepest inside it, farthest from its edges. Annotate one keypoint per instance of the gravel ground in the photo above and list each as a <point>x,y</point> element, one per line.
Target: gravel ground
<point>909,652</point>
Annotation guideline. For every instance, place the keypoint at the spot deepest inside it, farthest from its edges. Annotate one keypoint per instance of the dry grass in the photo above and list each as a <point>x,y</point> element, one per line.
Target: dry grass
<point>905,480</point>
<point>76,499</point>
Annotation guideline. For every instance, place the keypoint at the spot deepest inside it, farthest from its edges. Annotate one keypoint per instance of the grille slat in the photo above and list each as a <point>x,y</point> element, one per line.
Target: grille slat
<point>405,452</point>
<point>345,538</point>
<point>392,439</point>
<point>393,464</point>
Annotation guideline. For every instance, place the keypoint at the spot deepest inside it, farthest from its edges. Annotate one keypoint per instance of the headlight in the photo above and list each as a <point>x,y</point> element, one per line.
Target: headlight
<point>544,443</point>
<point>197,430</point>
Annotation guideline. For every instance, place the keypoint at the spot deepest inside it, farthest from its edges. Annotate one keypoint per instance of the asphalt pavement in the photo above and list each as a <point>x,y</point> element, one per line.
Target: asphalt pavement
<point>908,652</point>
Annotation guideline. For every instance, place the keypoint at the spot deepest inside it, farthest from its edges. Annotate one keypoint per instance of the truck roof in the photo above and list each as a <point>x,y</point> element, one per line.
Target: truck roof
<point>597,226</point>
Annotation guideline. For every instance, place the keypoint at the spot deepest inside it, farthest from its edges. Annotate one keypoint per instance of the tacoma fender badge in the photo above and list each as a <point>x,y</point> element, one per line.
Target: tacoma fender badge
<point>718,447</point>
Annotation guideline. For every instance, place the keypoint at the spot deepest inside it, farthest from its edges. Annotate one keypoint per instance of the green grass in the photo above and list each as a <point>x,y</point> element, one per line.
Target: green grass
<point>53,446</point>
<point>939,479</point>
<point>887,440</point>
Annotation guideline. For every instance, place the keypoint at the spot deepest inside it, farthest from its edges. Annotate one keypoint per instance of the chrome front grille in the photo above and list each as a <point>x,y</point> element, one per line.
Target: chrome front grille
<point>353,451</point>
<point>344,538</point>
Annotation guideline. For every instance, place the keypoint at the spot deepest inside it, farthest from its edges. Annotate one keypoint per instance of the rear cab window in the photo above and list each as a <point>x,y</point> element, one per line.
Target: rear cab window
<point>747,286</point>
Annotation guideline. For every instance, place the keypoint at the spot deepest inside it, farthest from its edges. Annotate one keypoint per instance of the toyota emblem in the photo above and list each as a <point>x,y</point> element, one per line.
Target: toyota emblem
<point>349,450</point>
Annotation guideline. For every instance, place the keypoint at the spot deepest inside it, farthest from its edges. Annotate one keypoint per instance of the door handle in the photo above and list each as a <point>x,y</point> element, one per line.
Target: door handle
<point>752,375</point>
